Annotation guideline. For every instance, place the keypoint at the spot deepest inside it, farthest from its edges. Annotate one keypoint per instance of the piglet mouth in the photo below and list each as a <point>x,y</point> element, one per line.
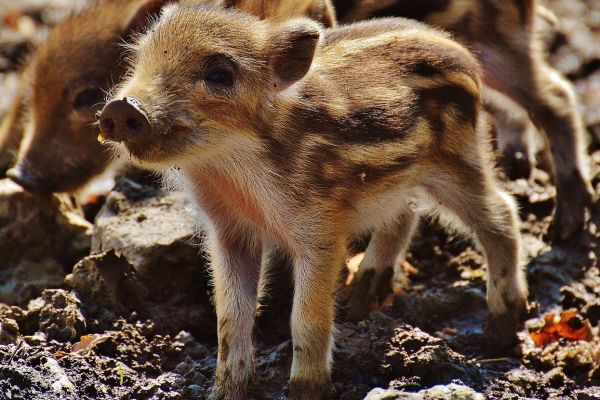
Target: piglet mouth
<point>123,120</point>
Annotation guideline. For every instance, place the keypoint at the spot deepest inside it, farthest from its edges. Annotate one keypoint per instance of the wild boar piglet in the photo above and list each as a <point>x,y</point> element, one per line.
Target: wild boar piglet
<point>50,124</point>
<point>288,135</point>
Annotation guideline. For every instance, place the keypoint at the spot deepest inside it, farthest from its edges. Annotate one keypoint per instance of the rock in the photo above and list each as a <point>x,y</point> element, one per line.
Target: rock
<point>590,393</point>
<point>381,350</point>
<point>106,280</point>
<point>162,388</point>
<point>144,259</point>
<point>556,377</point>
<point>60,380</point>
<point>61,233</point>
<point>109,285</point>
<point>568,358</point>
<point>414,352</point>
<point>46,381</point>
<point>35,340</point>
<point>59,315</point>
<point>12,312</point>
<point>156,234</point>
<point>440,392</point>
<point>9,331</point>
<point>28,279</point>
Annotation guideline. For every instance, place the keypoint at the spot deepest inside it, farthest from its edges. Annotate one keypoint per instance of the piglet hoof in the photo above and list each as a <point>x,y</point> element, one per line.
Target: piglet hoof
<point>501,330</point>
<point>569,218</point>
<point>367,290</point>
<point>360,297</point>
<point>500,334</point>
<point>306,390</point>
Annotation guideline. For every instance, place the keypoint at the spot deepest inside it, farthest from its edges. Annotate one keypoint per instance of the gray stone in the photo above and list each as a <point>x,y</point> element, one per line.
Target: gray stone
<point>29,279</point>
<point>155,233</point>
<point>439,392</point>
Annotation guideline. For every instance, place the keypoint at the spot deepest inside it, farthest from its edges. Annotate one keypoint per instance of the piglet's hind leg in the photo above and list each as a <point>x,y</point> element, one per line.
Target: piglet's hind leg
<point>383,261</point>
<point>483,209</point>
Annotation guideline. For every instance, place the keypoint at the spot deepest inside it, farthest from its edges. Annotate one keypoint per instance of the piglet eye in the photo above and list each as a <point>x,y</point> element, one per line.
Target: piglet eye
<point>88,98</point>
<point>220,77</point>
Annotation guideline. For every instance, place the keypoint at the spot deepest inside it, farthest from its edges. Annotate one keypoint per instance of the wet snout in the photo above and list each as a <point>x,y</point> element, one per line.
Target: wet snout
<point>123,119</point>
<point>21,176</point>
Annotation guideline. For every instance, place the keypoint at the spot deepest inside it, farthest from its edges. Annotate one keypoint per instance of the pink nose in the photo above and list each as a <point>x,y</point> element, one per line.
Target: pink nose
<point>123,119</point>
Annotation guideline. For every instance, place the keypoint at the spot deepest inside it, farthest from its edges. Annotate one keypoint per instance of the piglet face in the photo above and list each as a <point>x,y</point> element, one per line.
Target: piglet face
<point>203,80</point>
<point>65,86</point>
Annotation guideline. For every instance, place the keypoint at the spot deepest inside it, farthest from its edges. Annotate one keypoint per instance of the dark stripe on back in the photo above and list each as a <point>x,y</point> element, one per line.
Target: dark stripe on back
<point>374,173</point>
<point>433,103</point>
<point>369,124</point>
<point>230,3</point>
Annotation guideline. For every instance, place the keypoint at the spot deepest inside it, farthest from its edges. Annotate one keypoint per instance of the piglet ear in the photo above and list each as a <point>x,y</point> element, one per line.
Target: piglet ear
<point>144,14</point>
<point>293,50</point>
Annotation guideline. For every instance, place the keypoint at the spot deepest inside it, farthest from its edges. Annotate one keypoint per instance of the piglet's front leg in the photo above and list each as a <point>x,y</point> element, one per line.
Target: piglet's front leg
<point>315,278</point>
<point>235,269</point>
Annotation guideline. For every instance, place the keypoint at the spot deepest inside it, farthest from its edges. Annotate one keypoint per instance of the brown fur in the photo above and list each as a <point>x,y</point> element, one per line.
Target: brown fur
<point>319,10</point>
<point>502,33</point>
<point>60,152</point>
<point>63,86</point>
<point>311,138</point>
<point>10,132</point>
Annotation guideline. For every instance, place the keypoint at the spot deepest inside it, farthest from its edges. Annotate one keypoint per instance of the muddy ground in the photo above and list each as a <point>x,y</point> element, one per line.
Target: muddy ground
<point>134,276</point>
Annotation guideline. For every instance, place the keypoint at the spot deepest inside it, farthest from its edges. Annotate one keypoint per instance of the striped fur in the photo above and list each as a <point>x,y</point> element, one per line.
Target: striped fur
<point>322,136</point>
<point>85,52</point>
<point>502,34</point>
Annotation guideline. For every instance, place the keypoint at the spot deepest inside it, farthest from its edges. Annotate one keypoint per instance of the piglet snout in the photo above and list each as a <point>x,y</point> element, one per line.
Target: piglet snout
<point>124,119</point>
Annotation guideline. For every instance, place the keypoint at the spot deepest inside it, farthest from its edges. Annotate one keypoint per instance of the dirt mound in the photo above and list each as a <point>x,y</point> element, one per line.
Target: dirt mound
<point>133,319</point>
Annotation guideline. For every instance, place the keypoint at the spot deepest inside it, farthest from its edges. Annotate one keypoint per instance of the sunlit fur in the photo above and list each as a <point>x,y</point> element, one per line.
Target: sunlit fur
<point>324,135</point>
<point>60,151</point>
<point>55,140</point>
<point>505,36</point>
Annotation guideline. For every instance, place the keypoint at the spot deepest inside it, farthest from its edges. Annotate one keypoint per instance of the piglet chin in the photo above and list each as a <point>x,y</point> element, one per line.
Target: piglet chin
<point>123,151</point>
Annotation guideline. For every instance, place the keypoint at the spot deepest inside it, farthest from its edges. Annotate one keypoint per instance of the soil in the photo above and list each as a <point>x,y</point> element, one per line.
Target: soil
<point>134,278</point>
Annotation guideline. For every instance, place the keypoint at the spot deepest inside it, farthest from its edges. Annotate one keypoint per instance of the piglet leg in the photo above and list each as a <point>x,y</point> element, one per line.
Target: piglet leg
<point>236,268</point>
<point>315,283</point>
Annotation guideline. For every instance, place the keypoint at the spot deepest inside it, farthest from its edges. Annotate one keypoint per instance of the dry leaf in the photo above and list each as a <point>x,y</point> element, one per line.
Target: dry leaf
<point>11,18</point>
<point>59,354</point>
<point>93,199</point>
<point>568,326</point>
<point>87,343</point>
